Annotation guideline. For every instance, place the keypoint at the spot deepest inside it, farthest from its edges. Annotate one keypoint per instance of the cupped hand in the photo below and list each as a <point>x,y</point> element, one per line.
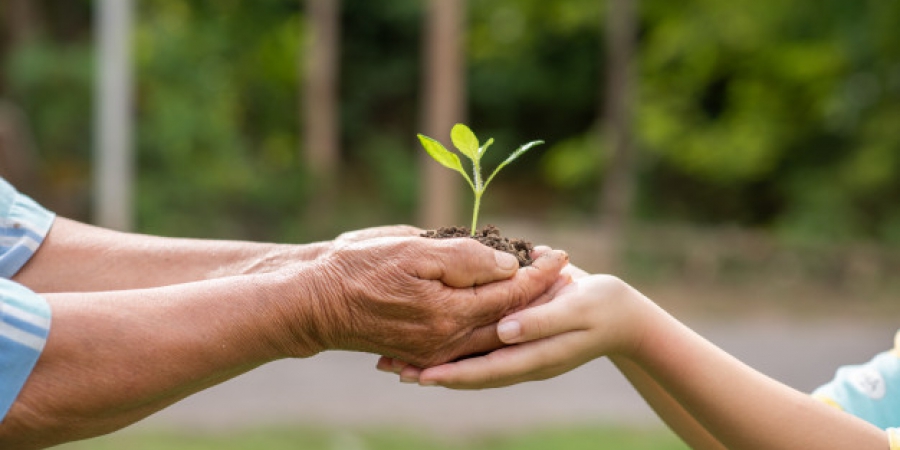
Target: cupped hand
<point>364,234</point>
<point>410,373</point>
<point>425,301</point>
<point>593,316</point>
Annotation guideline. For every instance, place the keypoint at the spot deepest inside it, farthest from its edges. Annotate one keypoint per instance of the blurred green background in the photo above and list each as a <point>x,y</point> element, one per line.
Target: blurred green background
<point>764,136</point>
<point>775,124</point>
<point>775,116</point>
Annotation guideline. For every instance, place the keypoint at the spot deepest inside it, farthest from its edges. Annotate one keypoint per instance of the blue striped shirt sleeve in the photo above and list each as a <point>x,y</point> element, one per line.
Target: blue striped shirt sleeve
<point>24,326</point>
<point>23,225</point>
<point>24,316</point>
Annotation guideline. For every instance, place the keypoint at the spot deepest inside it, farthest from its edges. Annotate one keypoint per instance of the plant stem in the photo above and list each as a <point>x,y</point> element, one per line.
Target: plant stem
<point>475,212</point>
<point>479,189</point>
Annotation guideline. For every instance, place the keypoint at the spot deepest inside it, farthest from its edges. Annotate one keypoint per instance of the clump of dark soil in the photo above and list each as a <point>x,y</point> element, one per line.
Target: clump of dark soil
<point>490,236</point>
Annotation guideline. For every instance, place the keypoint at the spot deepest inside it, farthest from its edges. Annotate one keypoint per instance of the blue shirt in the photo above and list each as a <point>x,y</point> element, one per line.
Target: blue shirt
<point>870,391</point>
<point>24,316</point>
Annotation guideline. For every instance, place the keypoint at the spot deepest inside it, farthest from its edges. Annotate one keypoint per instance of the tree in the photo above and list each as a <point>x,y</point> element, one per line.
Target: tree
<point>21,20</point>
<point>618,187</point>
<point>320,115</point>
<point>17,161</point>
<point>320,95</point>
<point>442,106</point>
<point>114,159</point>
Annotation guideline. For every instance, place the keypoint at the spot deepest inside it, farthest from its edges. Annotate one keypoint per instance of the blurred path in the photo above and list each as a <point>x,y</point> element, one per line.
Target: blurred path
<point>343,389</point>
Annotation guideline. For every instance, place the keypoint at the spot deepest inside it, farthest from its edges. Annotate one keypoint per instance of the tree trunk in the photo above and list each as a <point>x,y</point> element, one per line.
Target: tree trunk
<point>17,161</point>
<point>113,157</point>
<point>21,17</point>
<point>443,106</point>
<point>616,198</point>
<point>17,158</point>
<point>320,104</point>
<point>321,90</point>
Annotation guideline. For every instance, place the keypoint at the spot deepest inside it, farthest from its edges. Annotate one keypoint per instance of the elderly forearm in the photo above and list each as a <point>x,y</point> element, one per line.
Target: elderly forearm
<point>724,395</point>
<point>113,358</point>
<point>81,258</point>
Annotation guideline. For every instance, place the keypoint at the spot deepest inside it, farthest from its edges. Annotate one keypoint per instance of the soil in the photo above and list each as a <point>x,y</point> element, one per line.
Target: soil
<point>489,236</point>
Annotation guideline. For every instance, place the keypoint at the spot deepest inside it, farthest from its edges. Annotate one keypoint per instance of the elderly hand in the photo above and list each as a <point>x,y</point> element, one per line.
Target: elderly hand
<point>351,237</point>
<point>420,300</point>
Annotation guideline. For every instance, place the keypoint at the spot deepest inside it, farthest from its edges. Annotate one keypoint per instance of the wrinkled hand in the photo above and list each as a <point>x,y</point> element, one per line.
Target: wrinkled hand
<point>426,301</point>
<point>364,234</point>
<point>588,318</point>
<point>409,373</point>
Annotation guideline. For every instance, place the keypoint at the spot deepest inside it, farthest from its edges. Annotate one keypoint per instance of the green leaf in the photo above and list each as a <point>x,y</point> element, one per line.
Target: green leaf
<point>445,157</point>
<point>464,139</point>
<point>515,155</point>
<point>484,148</point>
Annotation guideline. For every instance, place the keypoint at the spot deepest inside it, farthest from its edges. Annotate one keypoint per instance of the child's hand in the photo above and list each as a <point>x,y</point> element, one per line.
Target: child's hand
<point>591,317</point>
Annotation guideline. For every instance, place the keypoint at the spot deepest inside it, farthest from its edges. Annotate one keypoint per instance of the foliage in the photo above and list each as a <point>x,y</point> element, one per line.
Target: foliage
<point>218,128</point>
<point>467,143</point>
<point>52,83</point>
<point>776,115</point>
<point>773,114</point>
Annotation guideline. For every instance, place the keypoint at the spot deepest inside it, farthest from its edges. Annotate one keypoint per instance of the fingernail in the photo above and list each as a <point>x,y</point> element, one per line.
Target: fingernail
<point>408,380</point>
<point>427,383</point>
<point>509,330</point>
<point>505,260</point>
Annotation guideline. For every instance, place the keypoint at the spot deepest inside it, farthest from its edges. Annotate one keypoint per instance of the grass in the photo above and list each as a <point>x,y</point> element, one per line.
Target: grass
<point>593,438</point>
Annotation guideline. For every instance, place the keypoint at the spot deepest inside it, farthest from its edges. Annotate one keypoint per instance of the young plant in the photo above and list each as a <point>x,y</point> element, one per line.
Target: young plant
<point>465,141</point>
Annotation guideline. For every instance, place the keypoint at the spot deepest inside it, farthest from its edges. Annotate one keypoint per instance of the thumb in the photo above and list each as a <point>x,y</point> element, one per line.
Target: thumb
<point>549,319</point>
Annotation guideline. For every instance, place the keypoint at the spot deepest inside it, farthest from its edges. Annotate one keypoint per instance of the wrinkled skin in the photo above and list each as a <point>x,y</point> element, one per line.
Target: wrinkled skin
<point>365,234</point>
<point>424,301</point>
<point>140,322</point>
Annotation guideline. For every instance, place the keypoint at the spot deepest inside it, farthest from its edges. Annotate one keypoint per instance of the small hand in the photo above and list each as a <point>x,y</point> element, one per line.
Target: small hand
<point>591,317</point>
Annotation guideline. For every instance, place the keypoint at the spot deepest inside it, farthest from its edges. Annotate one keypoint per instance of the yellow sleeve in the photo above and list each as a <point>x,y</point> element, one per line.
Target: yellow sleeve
<point>897,344</point>
<point>828,401</point>
<point>894,438</point>
<point>894,433</point>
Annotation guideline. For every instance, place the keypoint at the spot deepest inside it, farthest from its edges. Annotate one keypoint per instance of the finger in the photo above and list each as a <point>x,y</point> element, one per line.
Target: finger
<point>539,251</point>
<point>410,374</point>
<point>495,300</point>
<point>463,262</point>
<point>397,230</point>
<point>385,364</point>
<point>480,341</point>
<point>397,366</point>
<point>561,282</point>
<point>549,319</point>
<point>574,271</point>
<point>530,361</point>
<point>383,231</point>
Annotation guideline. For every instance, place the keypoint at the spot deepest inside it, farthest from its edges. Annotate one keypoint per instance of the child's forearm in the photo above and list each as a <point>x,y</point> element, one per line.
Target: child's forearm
<point>673,414</point>
<point>740,407</point>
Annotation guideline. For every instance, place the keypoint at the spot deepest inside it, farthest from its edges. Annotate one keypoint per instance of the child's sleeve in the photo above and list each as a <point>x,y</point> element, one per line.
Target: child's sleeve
<point>870,391</point>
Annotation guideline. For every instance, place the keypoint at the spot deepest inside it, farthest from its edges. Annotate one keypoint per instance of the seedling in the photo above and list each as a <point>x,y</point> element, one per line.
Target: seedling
<point>465,141</point>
